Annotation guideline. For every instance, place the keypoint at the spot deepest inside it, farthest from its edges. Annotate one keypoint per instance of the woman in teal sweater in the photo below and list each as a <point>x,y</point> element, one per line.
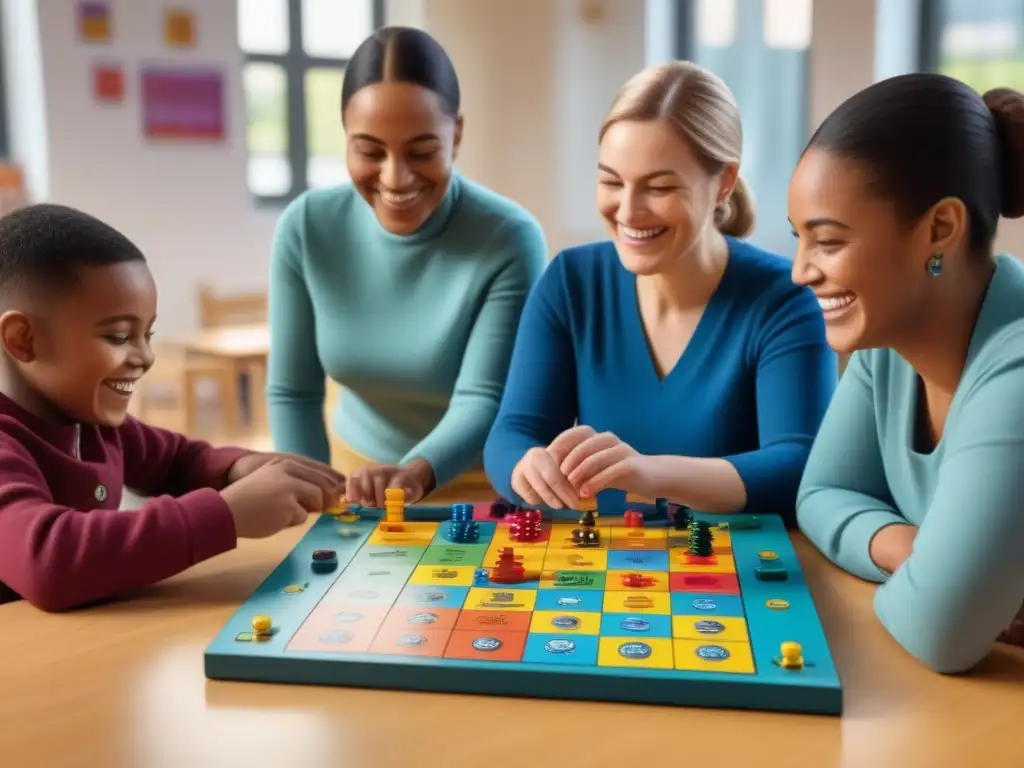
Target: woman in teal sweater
<point>915,480</point>
<point>404,286</point>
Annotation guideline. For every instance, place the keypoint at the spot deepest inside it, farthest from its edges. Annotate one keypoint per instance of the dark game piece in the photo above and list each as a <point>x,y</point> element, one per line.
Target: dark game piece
<point>682,518</point>
<point>500,508</point>
<point>700,539</point>
<point>324,560</point>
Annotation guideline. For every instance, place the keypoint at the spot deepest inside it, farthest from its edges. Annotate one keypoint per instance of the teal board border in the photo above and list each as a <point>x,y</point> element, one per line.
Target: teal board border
<point>814,689</point>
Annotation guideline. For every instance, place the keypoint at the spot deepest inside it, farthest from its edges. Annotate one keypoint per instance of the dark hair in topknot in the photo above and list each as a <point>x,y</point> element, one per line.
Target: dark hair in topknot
<point>925,137</point>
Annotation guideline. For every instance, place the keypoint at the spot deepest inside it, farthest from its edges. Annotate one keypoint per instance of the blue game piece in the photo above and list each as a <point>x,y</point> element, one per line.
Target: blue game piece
<point>481,578</point>
<point>462,512</point>
<point>464,532</point>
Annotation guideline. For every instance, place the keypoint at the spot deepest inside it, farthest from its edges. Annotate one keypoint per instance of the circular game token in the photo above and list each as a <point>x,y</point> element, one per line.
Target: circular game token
<point>712,653</point>
<point>569,601</point>
<point>704,604</point>
<point>323,555</point>
<point>635,650</point>
<point>423,618</point>
<point>411,640</point>
<point>709,627</point>
<point>487,644</point>
<point>768,554</point>
<point>777,604</point>
<point>635,624</point>
<point>560,645</point>
<point>348,617</point>
<point>565,622</point>
<point>336,637</point>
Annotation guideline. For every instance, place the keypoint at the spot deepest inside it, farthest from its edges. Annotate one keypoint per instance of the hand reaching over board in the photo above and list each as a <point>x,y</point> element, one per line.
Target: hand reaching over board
<point>278,494</point>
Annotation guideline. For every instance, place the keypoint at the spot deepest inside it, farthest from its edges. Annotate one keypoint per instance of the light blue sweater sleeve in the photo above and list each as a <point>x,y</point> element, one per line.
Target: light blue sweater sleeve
<point>844,499</point>
<point>964,581</point>
<point>458,439</point>
<point>295,377</point>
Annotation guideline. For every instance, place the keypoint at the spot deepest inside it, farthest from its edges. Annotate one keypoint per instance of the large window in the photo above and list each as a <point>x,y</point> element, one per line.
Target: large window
<point>978,41</point>
<point>296,52</point>
<point>760,48</point>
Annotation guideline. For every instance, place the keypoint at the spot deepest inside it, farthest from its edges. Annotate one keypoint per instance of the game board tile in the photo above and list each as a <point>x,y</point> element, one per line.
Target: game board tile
<point>647,653</point>
<point>726,583</point>
<point>560,649</point>
<point>637,602</point>
<point>638,560</point>
<point>412,534</point>
<point>446,596</point>
<point>576,559</point>
<point>488,599</point>
<point>454,554</point>
<point>440,575</point>
<point>573,580</point>
<point>706,604</point>
<point>640,534</point>
<point>715,657</point>
<point>588,600</point>
<point>680,561</point>
<point>710,628</point>
<point>617,580</point>
<point>484,530</point>
<point>375,575</point>
<point>494,621</point>
<point>342,629</point>
<point>411,642</point>
<point>481,646</point>
<point>407,556</point>
<point>383,594</point>
<point>566,622</point>
<point>639,625</point>
<point>637,545</point>
<point>414,618</point>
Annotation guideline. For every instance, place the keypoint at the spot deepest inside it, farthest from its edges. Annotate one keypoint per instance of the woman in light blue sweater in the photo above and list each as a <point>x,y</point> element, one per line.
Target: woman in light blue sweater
<point>916,479</point>
<point>404,286</point>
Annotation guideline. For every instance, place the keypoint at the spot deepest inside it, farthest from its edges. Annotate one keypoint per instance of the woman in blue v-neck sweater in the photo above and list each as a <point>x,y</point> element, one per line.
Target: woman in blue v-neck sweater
<point>675,360</point>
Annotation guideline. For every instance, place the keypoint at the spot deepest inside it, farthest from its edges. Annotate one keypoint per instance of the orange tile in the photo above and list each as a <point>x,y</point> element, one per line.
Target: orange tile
<point>493,621</point>
<point>425,617</point>
<point>411,642</point>
<point>460,646</point>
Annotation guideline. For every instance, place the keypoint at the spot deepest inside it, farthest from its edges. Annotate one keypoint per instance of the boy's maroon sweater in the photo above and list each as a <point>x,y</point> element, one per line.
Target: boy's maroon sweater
<point>63,541</point>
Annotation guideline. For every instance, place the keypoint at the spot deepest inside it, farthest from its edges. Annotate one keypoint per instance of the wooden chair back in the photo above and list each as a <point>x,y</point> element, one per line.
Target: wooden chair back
<point>218,311</point>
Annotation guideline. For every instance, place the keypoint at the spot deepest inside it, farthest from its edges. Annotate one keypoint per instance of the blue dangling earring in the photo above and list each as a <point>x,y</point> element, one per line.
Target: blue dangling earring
<point>934,265</point>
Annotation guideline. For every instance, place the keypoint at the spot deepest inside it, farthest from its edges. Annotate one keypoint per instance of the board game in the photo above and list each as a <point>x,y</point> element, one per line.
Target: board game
<point>654,604</point>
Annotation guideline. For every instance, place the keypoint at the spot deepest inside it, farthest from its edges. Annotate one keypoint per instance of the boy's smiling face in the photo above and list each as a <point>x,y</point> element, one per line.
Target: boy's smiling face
<point>82,352</point>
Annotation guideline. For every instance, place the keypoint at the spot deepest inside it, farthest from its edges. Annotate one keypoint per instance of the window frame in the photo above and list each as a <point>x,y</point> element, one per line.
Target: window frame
<point>296,62</point>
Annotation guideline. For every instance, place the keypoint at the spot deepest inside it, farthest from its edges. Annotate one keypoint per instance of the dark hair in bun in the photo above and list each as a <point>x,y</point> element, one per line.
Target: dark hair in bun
<point>925,137</point>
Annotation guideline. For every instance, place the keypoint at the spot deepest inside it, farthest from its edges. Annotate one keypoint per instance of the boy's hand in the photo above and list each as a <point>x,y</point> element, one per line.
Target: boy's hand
<point>330,482</point>
<point>280,493</point>
<point>366,486</point>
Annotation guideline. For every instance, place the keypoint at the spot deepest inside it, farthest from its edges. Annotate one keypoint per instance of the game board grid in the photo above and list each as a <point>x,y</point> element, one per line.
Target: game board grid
<point>451,632</point>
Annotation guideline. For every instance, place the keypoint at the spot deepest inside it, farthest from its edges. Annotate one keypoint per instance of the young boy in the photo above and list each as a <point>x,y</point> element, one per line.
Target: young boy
<point>77,307</point>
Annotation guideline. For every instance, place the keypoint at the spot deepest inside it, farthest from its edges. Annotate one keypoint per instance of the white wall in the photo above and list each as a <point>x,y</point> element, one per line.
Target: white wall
<point>23,69</point>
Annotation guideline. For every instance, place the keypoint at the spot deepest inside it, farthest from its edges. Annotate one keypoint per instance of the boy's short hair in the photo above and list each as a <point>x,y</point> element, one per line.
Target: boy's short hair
<point>43,246</point>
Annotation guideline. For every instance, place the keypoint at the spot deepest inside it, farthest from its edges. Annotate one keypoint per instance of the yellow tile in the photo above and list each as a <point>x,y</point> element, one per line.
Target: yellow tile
<point>678,563</point>
<point>637,602</point>
<point>488,599</point>
<point>414,534</point>
<point>608,654</point>
<point>588,623</point>
<point>685,628</point>
<point>579,559</point>
<point>660,584</point>
<point>740,660</point>
<point>443,575</point>
<point>640,534</point>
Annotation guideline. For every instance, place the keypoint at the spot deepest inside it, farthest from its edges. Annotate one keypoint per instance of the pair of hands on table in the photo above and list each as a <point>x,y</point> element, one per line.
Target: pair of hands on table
<point>579,463</point>
<point>268,492</point>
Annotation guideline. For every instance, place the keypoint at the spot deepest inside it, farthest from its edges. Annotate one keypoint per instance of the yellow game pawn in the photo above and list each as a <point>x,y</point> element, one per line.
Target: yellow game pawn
<point>791,656</point>
<point>394,510</point>
<point>261,625</point>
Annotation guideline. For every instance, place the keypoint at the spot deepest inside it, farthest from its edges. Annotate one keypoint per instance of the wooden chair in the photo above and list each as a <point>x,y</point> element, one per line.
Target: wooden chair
<point>219,311</point>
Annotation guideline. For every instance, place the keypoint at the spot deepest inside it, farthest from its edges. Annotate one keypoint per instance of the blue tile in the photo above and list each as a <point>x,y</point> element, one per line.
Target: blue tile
<point>637,560</point>
<point>627,625</point>
<point>437,596</point>
<point>692,604</point>
<point>581,600</point>
<point>570,650</point>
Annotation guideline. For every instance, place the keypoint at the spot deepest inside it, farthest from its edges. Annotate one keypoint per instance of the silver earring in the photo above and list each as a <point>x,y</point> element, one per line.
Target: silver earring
<point>934,265</point>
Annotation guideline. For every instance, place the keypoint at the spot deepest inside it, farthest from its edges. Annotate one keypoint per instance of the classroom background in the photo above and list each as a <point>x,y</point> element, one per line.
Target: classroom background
<point>189,124</point>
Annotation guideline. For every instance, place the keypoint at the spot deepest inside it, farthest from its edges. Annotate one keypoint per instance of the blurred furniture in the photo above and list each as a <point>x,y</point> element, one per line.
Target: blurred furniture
<point>118,685</point>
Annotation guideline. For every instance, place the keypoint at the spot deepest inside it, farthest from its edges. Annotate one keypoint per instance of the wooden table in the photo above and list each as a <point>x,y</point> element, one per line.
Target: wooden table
<point>123,685</point>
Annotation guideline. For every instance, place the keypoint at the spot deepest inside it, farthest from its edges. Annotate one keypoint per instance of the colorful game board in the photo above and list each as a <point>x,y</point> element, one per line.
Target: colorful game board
<point>634,616</point>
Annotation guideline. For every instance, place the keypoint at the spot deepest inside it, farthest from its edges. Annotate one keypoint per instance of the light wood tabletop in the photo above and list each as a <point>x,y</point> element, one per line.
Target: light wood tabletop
<point>123,685</point>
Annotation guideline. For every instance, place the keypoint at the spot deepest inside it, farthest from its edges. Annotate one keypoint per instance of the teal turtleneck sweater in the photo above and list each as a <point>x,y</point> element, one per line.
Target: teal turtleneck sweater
<point>417,329</point>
